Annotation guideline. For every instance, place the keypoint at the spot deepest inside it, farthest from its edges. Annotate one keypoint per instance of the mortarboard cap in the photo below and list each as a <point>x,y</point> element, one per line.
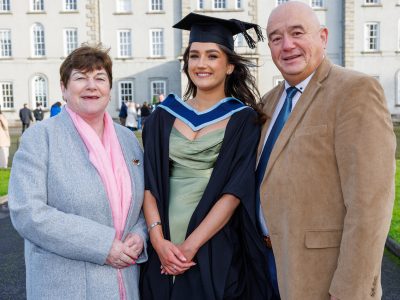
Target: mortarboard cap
<point>207,29</point>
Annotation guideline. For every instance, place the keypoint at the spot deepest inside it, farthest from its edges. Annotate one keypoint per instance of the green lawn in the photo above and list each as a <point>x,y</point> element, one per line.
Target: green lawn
<point>397,132</point>
<point>395,227</point>
<point>4,176</point>
<point>394,232</point>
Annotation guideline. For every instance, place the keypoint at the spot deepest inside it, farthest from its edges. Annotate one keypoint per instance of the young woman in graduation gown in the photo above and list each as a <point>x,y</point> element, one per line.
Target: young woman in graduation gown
<point>199,175</point>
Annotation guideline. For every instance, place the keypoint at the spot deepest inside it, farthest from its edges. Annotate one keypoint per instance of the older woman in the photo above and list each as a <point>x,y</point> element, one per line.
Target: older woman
<point>76,192</point>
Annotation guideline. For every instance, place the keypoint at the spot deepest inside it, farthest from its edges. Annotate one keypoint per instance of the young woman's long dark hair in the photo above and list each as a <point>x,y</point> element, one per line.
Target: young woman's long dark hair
<point>240,84</point>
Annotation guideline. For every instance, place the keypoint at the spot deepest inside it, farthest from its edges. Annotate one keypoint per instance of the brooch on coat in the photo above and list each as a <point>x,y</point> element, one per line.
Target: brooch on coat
<point>136,162</point>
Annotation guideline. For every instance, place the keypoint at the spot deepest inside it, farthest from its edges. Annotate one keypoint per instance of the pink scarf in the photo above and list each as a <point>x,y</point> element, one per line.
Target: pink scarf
<point>107,157</point>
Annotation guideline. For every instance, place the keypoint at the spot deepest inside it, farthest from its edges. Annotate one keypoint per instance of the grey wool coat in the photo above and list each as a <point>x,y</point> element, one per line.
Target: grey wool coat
<point>58,204</point>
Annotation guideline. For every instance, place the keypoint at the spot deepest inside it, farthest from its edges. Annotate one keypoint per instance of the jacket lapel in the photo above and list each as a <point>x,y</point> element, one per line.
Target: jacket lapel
<point>270,101</point>
<point>92,172</point>
<point>298,112</point>
<point>133,169</point>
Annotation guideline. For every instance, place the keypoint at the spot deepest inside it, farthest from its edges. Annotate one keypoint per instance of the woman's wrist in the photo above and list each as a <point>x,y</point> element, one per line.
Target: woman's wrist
<point>156,235</point>
<point>191,244</point>
<point>152,225</point>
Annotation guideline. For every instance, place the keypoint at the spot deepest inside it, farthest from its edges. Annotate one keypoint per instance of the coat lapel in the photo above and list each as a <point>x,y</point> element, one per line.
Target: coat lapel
<point>270,101</point>
<point>92,172</point>
<point>298,112</point>
<point>133,164</point>
<point>128,155</point>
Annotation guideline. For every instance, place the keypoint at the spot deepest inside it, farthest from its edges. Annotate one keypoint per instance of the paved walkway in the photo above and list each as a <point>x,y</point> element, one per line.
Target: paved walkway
<point>12,263</point>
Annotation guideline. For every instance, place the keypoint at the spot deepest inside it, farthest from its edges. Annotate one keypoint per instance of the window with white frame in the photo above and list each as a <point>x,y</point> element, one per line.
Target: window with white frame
<point>39,90</point>
<point>37,5</point>
<point>70,40</point>
<point>239,40</point>
<point>38,44</point>
<point>156,42</point>
<point>156,5</point>
<point>368,2</point>
<point>398,37</point>
<point>5,5</point>
<point>5,43</point>
<point>124,6</point>
<point>219,4</point>
<point>371,36</point>
<point>238,4</point>
<point>125,91</point>
<point>6,95</point>
<point>157,87</point>
<point>278,2</point>
<point>200,4</point>
<point>124,43</point>
<point>317,3</point>
<point>70,5</point>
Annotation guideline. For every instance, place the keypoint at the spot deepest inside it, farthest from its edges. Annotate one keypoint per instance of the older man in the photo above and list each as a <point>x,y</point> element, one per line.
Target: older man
<point>326,167</point>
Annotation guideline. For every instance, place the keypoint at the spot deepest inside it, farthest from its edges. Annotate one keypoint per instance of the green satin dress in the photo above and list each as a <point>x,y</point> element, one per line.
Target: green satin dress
<point>191,164</point>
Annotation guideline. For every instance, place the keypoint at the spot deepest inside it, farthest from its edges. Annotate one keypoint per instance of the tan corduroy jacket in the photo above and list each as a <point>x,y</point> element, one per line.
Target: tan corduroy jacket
<point>328,189</point>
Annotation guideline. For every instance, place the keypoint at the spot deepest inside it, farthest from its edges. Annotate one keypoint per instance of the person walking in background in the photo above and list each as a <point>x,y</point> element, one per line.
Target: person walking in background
<point>327,178</point>
<point>200,157</point>
<point>4,141</point>
<point>144,113</point>
<point>25,115</point>
<point>38,112</point>
<point>55,109</point>
<point>123,113</point>
<point>131,118</point>
<point>81,218</point>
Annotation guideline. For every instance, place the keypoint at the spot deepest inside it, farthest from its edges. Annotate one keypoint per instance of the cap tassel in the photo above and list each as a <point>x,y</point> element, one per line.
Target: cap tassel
<point>258,30</point>
<point>250,41</point>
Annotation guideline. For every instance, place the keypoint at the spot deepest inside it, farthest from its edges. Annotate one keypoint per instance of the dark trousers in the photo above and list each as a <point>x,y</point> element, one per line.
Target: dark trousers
<point>272,273</point>
<point>25,126</point>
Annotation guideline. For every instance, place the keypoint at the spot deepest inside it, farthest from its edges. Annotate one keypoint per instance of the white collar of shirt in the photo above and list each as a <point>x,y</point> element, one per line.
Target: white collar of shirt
<point>301,87</point>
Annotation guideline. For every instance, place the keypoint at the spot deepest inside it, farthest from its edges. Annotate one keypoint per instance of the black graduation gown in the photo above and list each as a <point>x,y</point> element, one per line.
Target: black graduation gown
<point>232,264</point>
